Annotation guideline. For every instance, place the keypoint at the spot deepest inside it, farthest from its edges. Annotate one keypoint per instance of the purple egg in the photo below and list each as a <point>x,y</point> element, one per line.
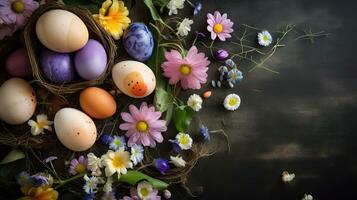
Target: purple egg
<point>57,67</point>
<point>18,63</point>
<point>91,60</point>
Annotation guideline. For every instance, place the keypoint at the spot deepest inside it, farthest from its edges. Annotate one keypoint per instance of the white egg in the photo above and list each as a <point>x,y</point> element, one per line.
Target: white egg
<point>134,78</point>
<point>75,129</point>
<point>18,101</point>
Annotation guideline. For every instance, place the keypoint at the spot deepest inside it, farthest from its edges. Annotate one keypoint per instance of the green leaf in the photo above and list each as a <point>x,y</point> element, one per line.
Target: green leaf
<point>154,14</point>
<point>133,177</point>
<point>12,156</point>
<point>162,99</point>
<point>182,117</point>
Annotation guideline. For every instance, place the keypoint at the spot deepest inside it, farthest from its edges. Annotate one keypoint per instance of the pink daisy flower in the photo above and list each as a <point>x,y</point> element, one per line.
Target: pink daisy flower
<point>191,70</point>
<point>143,126</point>
<point>219,26</point>
<point>78,166</point>
<point>17,11</point>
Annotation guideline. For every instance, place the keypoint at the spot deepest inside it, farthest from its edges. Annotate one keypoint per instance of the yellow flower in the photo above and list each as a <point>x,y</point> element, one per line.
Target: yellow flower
<point>117,162</point>
<point>113,16</point>
<point>41,193</point>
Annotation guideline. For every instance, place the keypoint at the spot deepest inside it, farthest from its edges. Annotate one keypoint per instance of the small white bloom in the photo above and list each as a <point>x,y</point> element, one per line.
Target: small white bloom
<point>38,127</point>
<point>184,141</point>
<point>307,197</point>
<point>90,186</point>
<point>144,190</point>
<point>184,27</point>
<point>177,161</point>
<point>94,163</point>
<point>167,194</point>
<point>173,5</point>
<point>108,185</point>
<point>117,143</point>
<point>264,38</point>
<point>136,154</point>
<point>286,177</point>
<point>195,102</point>
<point>232,102</point>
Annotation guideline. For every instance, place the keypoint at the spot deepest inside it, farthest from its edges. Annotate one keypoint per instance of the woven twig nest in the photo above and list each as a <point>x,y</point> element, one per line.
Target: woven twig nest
<point>34,47</point>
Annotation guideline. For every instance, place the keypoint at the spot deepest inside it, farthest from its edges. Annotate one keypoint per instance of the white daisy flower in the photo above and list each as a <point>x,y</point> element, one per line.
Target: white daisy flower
<point>264,38</point>
<point>107,187</point>
<point>144,190</point>
<point>94,163</point>
<point>307,197</point>
<point>90,186</point>
<point>184,141</point>
<point>117,143</point>
<point>178,161</point>
<point>38,127</point>
<point>184,27</point>
<point>136,154</point>
<point>232,102</point>
<point>195,102</point>
<point>116,162</point>
<point>173,5</point>
<point>286,177</point>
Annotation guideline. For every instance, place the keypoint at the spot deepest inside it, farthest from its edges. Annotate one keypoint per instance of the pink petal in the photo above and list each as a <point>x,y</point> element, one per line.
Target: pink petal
<point>211,17</point>
<point>127,117</point>
<point>210,22</point>
<point>221,37</point>
<point>126,126</point>
<point>144,138</point>
<point>213,35</point>
<point>134,112</point>
<point>157,136</point>
<point>172,55</point>
<point>209,28</point>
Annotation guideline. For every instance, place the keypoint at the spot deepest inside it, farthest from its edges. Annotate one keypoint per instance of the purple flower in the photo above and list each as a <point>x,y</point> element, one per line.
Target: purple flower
<point>219,26</point>
<point>221,54</point>
<point>17,11</point>
<point>78,166</point>
<point>106,139</point>
<point>175,146</point>
<point>198,8</point>
<point>39,180</point>
<point>50,159</point>
<point>205,133</point>
<point>6,29</point>
<point>162,165</point>
<point>200,34</point>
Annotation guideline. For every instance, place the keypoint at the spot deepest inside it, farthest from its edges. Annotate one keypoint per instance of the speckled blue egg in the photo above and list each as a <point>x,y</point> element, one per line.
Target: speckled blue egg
<point>57,67</point>
<point>138,41</point>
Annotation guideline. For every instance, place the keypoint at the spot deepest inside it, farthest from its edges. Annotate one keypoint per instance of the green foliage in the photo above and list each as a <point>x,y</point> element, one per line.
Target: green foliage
<point>133,177</point>
<point>12,156</point>
<point>154,14</point>
<point>92,5</point>
<point>182,117</point>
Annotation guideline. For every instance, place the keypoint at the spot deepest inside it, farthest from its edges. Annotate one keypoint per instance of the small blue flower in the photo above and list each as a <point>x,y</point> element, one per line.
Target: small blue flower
<point>265,38</point>
<point>175,146</point>
<point>198,8</point>
<point>162,165</point>
<point>106,139</point>
<point>230,63</point>
<point>235,76</point>
<point>205,133</point>
<point>39,180</point>
<point>137,154</point>
<point>117,143</point>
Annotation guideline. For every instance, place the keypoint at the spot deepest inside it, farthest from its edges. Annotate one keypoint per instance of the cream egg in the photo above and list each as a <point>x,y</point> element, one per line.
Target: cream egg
<point>74,129</point>
<point>61,31</point>
<point>18,101</point>
<point>134,78</point>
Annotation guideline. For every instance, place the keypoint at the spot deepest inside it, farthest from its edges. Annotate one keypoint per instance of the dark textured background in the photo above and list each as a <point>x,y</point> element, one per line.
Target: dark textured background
<point>302,120</point>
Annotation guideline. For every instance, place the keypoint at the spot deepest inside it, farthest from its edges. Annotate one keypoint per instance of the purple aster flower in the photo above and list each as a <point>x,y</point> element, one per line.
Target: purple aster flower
<point>221,54</point>
<point>198,8</point>
<point>6,29</point>
<point>17,11</point>
<point>78,166</point>
<point>175,146</point>
<point>50,159</point>
<point>106,139</point>
<point>200,34</point>
<point>205,133</point>
<point>219,26</point>
<point>39,180</point>
<point>162,165</point>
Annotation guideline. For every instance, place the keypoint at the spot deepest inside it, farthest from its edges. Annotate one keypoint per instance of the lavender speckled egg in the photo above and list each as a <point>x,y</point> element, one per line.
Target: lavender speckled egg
<point>138,41</point>
<point>91,60</point>
<point>57,67</point>
<point>18,63</point>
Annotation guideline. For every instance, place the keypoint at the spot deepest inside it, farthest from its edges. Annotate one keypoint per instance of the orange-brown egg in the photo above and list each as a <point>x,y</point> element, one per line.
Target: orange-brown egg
<point>97,103</point>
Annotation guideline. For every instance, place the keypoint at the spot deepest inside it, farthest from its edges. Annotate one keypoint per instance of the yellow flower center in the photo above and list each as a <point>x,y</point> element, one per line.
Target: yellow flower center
<point>80,168</point>
<point>41,124</point>
<point>144,192</point>
<point>142,126</point>
<point>265,38</point>
<point>118,161</point>
<point>218,28</point>
<point>185,69</point>
<point>232,101</point>
<point>18,7</point>
<point>184,140</point>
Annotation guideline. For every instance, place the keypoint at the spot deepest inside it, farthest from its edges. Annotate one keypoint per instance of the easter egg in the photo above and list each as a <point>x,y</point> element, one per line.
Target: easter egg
<point>91,60</point>
<point>57,67</point>
<point>18,101</point>
<point>138,41</point>
<point>18,63</point>
<point>97,103</point>
<point>74,129</point>
<point>134,78</point>
<point>61,31</point>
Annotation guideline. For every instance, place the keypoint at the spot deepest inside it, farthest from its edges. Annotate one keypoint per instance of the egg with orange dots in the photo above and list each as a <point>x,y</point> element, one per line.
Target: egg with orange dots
<point>97,103</point>
<point>134,78</point>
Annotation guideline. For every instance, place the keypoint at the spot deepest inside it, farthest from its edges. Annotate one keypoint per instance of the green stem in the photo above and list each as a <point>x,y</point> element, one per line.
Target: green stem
<point>63,182</point>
